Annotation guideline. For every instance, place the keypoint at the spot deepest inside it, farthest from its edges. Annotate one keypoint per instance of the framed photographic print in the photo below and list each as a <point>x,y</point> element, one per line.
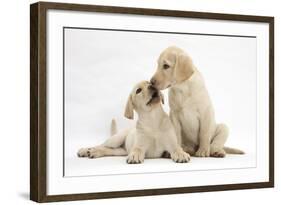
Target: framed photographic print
<point>134,102</point>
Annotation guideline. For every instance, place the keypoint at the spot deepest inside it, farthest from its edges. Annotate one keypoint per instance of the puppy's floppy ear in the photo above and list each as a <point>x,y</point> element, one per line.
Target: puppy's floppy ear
<point>162,98</point>
<point>129,110</point>
<point>184,67</point>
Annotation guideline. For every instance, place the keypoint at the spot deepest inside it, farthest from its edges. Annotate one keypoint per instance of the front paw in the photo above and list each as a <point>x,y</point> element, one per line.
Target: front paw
<point>203,152</point>
<point>135,157</point>
<point>180,156</point>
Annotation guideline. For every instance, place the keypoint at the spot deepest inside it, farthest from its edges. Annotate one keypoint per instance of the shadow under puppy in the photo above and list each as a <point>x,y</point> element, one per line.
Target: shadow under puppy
<point>153,134</point>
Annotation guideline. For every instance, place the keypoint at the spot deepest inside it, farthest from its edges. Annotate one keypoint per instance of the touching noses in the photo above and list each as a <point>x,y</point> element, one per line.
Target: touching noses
<point>151,87</point>
<point>153,81</point>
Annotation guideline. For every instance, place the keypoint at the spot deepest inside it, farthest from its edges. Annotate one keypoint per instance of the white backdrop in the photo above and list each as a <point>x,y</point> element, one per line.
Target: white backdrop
<point>101,67</point>
<point>15,102</point>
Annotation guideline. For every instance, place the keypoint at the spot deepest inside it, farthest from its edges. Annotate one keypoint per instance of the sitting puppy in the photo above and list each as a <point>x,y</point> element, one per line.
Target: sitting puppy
<point>150,138</point>
<point>191,109</point>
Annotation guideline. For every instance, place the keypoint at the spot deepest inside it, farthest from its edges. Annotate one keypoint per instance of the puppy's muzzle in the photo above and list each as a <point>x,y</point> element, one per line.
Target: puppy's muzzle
<point>155,83</point>
<point>155,97</point>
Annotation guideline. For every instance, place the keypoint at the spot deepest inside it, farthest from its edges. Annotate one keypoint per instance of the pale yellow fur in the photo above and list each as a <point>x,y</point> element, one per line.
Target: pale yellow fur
<point>191,109</point>
<point>150,138</point>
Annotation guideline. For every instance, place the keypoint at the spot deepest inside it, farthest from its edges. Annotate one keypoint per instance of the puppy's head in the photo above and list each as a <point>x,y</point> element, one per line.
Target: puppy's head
<point>143,98</point>
<point>174,66</point>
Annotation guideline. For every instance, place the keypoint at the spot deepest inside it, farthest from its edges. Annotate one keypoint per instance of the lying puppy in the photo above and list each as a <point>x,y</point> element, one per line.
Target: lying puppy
<point>191,109</point>
<point>150,138</point>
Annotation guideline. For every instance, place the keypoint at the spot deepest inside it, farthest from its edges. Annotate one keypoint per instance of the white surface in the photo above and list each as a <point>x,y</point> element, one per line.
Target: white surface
<point>118,165</point>
<point>14,109</point>
<point>57,184</point>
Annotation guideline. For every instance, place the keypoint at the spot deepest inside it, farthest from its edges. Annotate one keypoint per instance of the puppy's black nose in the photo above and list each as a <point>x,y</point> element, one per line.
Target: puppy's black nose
<point>153,81</point>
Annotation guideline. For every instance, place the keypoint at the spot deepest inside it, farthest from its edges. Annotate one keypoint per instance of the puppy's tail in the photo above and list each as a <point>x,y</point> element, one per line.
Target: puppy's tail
<point>113,127</point>
<point>230,150</point>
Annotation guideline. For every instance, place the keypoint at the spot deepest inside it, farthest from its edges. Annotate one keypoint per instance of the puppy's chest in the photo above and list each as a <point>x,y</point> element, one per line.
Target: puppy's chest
<point>185,108</point>
<point>155,145</point>
<point>178,98</point>
<point>154,137</point>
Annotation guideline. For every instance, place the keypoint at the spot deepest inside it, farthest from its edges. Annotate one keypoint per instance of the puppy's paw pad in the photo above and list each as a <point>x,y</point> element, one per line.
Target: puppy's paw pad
<point>180,157</point>
<point>218,153</point>
<point>83,152</point>
<point>203,152</point>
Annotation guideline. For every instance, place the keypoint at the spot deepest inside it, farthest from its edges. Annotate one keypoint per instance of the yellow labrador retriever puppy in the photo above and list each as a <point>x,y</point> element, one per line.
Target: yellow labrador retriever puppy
<point>191,109</point>
<point>150,138</point>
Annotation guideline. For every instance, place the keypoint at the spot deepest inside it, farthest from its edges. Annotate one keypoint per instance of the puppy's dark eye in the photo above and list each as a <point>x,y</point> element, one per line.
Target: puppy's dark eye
<point>166,66</point>
<point>138,90</point>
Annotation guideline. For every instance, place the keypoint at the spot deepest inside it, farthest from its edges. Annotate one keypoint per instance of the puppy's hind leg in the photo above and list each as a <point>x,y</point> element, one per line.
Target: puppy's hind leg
<point>100,151</point>
<point>116,140</point>
<point>218,141</point>
<point>113,146</point>
<point>113,142</point>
